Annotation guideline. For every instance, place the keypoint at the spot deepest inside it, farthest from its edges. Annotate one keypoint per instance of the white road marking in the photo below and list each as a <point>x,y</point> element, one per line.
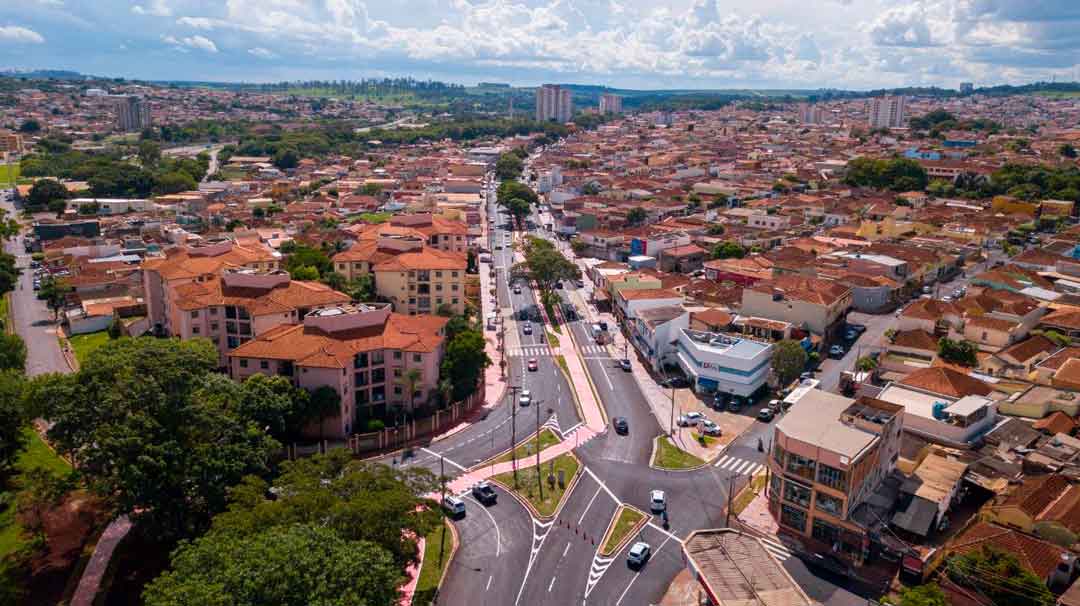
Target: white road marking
<point>743,466</point>
<point>662,531</point>
<point>721,460</point>
<point>552,584</point>
<point>488,583</point>
<point>604,486</point>
<point>631,583</point>
<point>610,384</point>
<point>582,518</point>
<point>443,457</point>
<point>498,534</point>
<point>537,544</point>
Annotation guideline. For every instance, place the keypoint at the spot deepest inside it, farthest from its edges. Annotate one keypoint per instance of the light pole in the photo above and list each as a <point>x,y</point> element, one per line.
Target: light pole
<point>513,431</point>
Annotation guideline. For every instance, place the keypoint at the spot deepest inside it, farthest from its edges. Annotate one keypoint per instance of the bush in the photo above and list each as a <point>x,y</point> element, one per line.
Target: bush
<point>374,425</point>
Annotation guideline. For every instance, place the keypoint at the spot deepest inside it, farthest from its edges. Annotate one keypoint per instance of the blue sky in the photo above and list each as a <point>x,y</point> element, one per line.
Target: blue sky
<point>625,43</point>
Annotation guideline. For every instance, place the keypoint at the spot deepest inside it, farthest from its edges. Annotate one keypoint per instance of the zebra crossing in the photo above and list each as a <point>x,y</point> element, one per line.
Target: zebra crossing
<point>534,351</point>
<point>776,548</point>
<point>738,466</point>
<point>596,350</point>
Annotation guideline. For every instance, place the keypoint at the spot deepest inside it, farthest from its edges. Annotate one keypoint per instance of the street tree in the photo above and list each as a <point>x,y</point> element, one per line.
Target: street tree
<point>788,361</point>
<point>12,352</point>
<point>9,273</point>
<point>57,206</point>
<point>519,209</point>
<point>45,191</point>
<point>464,362</point>
<point>149,153</point>
<point>508,166</point>
<point>636,216</point>
<point>515,189</point>
<point>54,292</point>
<point>140,422</point>
<point>14,419</point>
<point>728,250</point>
<point>544,264</point>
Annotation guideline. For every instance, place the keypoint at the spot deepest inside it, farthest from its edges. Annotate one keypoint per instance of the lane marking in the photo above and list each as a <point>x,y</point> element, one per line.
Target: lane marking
<point>604,486</point>
<point>443,457</point>
<point>721,460</point>
<point>662,531</point>
<point>488,583</point>
<point>582,518</point>
<point>498,534</point>
<point>552,584</point>
<point>564,552</point>
<point>631,583</point>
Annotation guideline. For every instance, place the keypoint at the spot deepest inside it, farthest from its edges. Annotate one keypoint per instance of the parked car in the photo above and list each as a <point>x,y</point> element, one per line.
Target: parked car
<point>675,382</point>
<point>483,492</point>
<point>532,365</point>
<point>453,505</point>
<point>517,289</point>
<point>690,418</point>
<point>526,328</point>
<point>858,328</point>
<point>720,401</point>
<point>709,428</point>
<point>639,554</point>
<point>622,427</point>
<point>836,351</point>
<point>851,335</point>
<point>625,364</point>
<point>657,501</point>
<point>525,398</point>
<point>765,414</point>
<point>558,284</point>
<point>775,405</point>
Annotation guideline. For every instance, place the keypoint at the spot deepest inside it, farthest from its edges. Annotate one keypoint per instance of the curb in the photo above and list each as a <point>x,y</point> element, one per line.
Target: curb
<point>629,536</point>
<point>453,552</point>
<point>488,461</point>
<point>570,382</point>
<point>588,377</point>
<point>562,502</point>
<point>669,469</point>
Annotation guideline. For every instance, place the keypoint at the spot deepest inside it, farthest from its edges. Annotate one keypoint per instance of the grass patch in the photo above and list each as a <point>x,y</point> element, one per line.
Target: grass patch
<point>36,454</point>
<point>437,548</point>
<point>5,313</point>
<point>670,456</point>
<point>553,341</point>
<point>528,447</point>
<point>626,520</point>
<point>84,344</point>
<point>528,486</point>
<point>562,362</point>
<point>9,173</point>
<point>372,217</point>
<point>754,488</point>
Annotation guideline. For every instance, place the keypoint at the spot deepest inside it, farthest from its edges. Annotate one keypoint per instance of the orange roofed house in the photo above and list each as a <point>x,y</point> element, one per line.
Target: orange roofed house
<point>360,351</point>
<point>162,276</point>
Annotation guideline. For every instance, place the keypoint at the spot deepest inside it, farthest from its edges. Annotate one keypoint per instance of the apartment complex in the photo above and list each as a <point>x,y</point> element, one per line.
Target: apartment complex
<point>423,281</point>
<point>610,104</point>
<point>888,112</point>
<point>361,351</point>
<point>132,113</point>
<point>811,113</point>
<point>829,455</point>
<point>553,103</point>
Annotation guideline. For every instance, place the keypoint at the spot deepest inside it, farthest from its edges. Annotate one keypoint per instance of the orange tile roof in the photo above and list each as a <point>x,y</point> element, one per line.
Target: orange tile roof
<point>1041,557</point>
<point>945,381</point>
<point>258,301</point>
<point>915,339</point>
<point>428,258</point>
<point>179,263</point>
<point>800,288</point>
<point>1055,423</point>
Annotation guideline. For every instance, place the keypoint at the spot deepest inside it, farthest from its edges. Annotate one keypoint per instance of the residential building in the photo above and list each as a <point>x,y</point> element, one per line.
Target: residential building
<point>830,454</point>
<point>943,405</point>
<point>11,142</point>
<point>553,103</point>
<point>610,104</point>
<point>816,305</point>
<point>723,363</point>
<point>1047,506</point>
<point>629,301</point>
<point>811,113</point>
<point>163,276</point>
<point>888,112</point>
<point>132,113</point>
<point>360,351</point>
<point>422,281</point>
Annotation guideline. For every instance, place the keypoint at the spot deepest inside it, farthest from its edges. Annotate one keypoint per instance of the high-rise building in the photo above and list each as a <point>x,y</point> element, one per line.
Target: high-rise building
<point>610,104</point>
<point>887,112</point>
<point>811,113</point>
<point>553,103</point>
<point>966,88</point>
<point>132,113</point>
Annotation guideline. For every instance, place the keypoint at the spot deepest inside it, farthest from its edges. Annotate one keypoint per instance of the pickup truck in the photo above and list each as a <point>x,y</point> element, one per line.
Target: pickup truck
<point>483,492</point>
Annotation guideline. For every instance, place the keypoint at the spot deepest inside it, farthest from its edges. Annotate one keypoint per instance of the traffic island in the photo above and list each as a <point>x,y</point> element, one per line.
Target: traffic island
<point>439,548</point>
<point>526,448</point>
<point>668,456</point>
<point>558,476</point>
<point>626,523</point>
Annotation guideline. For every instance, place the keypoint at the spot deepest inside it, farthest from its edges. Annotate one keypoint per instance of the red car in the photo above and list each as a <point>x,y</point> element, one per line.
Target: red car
<point>532,364</point>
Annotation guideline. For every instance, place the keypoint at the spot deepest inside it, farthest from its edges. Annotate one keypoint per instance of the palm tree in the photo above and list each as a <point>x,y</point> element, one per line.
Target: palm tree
<point>446,390</point>
<point>324,401</point>
<point>409,381</point>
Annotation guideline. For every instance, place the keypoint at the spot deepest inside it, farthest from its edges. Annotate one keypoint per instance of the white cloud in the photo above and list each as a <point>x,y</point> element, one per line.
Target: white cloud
<point>191,42</point>
<point>20,35</point>
<point>154,8</point>
<point>902,26</point>
<point>262,53</point>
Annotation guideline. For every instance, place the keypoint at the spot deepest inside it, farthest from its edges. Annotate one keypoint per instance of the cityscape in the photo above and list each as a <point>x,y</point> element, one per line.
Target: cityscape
<point>534,303</point>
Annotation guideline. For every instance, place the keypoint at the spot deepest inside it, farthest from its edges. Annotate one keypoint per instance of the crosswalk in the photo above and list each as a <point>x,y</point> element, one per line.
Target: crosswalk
<point>535,351</point>
<point>596,350</point>
<point>738,466</point>
<point>777,549</point>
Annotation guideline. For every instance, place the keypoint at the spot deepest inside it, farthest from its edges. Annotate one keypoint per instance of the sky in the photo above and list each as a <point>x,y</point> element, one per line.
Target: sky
<point>643,44</point>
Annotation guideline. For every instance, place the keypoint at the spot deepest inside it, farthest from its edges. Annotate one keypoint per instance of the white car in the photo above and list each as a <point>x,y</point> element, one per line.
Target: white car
<point>690,418</point>
<point>453,505</point>
<point>525,398</point>
<point>638,554</point>
<point>709,428</point>
<point>657,501</point>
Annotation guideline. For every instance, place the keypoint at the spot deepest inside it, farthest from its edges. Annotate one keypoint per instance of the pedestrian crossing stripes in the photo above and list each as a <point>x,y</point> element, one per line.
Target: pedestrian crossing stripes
<point>777,549</point>
<point>531,351</point>
<point>738,466</point>
<point>596,350</point>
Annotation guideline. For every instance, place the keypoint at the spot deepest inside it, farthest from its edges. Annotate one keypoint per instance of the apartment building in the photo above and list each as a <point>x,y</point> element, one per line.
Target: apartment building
<point>812,304</point>
<point>240,304</point>
<point>829,455</point>
<point>162,276</point>
<point>132,113</point>
<point>610,104</point>
<point>437,232</point>
<point>553,103</point>
<point>11,142</point>
<point>722,363</point>
<point>360,351</point>
<point>888,112</point>
<point>422,281</point>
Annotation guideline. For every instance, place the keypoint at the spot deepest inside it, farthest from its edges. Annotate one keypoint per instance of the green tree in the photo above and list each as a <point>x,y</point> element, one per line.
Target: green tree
<point>45,191</point>
<point>175,182</point>
<point>728,250</point>
<point>304,272</point>
<point>323,401</point>
<point>1000,577</point>
<point>866,364</point>
<point>519,209</point>
<point>12,352</point>
<point>286,565</point>
<point>515,189</point>
<point>9,273</point>
<point>923,595</point>
<point>371,189</point>
<point>272,403</point>
<point>464,362</point>
<point>116,329</point>
<point>508,166</point>
<point>14,419</point>
<point>30,126</point>
<point>408,382</point>
<point>57,206</point>
<point>300,255</point>
<point>544,264</point>
<point>636,216</point>
<point>54,292</point>
<point>788,361</point>
<point>149,153</point>
<point>147,433</point>
<point>1066,150</point>
<point>958,352</point>
<point>360,288</point>
<point>286,159</point>
<point>591,188</point>
<point>716,229</point>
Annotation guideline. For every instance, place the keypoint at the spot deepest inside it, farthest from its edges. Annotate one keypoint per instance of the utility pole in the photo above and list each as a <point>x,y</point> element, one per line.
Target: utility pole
<point>513,431</point>
<point>730,500</point>
<point>539,479</point>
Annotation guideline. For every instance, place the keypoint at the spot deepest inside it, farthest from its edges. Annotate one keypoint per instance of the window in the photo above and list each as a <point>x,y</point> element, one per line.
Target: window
<point>376,357</point>
<point>416,358</point>
<point>194,330</point>
<point>361,397</point>
<point>378,394</point>
<point>230,312</point>
<point>361,378</point>
<point>378,376</point>
<point>213,311</point>
<point>397,373</point>
<point>778,455</point>
<point>793,517</point>
<point>776,484</point>
<point>233,342</point>
<point>263,364</point>
<point>245,328</point>
<point>800,466</point>
<point>397,390</point>
<point>243,363</point>
<point>438,287</point>
<point>360,360</point>
<point>195,314</point>
<point>214,326</point>
<point>797,493</point>
<point>825,532</point>
<point>830,504</point>
<point>453,274</point>
<point>230,327</point>
<point>438,274</point>
<point>454,287</point>
<point>832,477</point>
<point>397,354</point>
<point>454,300</point>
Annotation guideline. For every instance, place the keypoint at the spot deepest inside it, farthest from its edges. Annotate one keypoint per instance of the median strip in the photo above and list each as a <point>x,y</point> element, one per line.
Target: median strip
<point>526,447</point>
<point>557,476</point>
<point>666,455</point>
<point>626,522</point>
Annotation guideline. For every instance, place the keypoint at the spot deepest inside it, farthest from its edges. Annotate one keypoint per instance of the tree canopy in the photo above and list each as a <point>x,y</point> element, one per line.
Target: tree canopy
<point>544,264</point>
<point>789,360</point>
<point>728,250</point>
<point>515,189</point>
<point>509,166</point>
<point>958,352</point>
<point>14,418</point>
<point>1000,577</point>
<point>897,174</point>
<point>464,361</point>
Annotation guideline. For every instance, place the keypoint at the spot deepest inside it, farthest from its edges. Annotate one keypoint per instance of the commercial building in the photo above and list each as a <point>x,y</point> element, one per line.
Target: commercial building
<point>887,112</point>
<point>829,455</point>
<point>610,104</point>
<point>721,363</point>
<point>553,103</point>
<point>132,113</point>
<point>360,351</point>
